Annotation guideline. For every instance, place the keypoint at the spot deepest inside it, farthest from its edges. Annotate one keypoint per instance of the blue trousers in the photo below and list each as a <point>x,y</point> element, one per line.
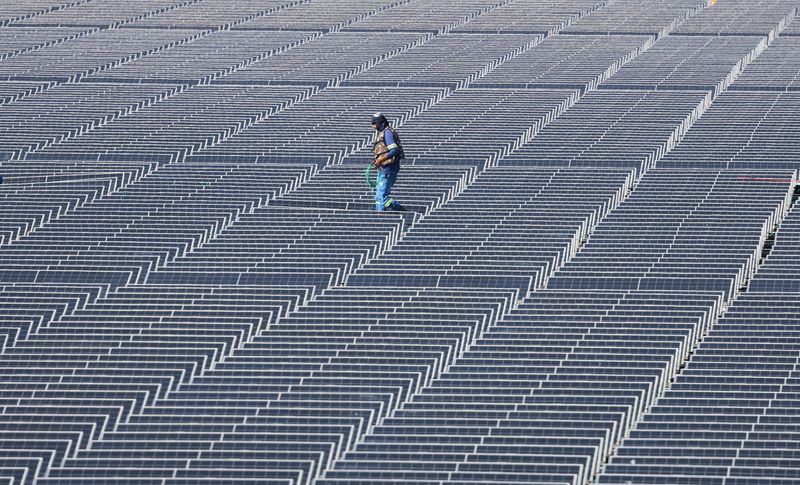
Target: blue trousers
<point>386,179</point>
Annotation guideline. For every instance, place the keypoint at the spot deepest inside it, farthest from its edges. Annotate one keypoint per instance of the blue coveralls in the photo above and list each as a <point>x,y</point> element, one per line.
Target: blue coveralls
<point>387,176</point>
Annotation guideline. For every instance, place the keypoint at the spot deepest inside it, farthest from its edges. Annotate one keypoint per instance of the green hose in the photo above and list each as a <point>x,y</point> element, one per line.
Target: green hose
<point>370,183</point>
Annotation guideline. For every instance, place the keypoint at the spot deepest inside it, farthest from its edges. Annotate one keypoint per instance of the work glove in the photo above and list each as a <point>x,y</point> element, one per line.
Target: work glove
<point>380,160</point>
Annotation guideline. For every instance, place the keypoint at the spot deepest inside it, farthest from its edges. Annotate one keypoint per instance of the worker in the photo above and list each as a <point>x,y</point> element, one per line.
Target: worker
<point>388,152</point>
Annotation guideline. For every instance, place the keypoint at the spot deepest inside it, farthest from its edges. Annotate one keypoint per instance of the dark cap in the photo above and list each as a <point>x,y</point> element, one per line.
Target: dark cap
<point>378,119</point>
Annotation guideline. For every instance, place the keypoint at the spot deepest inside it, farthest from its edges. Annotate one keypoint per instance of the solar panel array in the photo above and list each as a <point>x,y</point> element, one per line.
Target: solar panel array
<point>596,279</point>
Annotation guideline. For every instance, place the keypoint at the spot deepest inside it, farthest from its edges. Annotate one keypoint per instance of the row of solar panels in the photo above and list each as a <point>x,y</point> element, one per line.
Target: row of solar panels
<point>742,129</point>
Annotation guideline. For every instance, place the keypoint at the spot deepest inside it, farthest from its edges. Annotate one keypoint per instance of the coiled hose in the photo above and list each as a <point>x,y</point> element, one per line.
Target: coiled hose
<point>371,184</point>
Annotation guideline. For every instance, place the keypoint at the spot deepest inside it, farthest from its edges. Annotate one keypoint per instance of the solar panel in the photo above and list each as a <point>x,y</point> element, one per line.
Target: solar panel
<point>211,14</point>
<point>756,141</point>
<point>20,12</point>
<point>678,62</point>
<point>774,70</point>
<point>316,16</point>
<point>99,13</point>
<point>738,18</point>
<point>530,16</point>
<point>99,50</point>
<point>630,17</point>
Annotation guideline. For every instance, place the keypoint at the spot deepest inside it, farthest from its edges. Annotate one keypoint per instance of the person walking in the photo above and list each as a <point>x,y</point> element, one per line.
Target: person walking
<point>388,152</point>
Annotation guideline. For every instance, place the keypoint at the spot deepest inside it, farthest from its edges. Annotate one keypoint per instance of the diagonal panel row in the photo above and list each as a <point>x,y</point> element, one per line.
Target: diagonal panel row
<point>31,201</point>
<point>312,61</point>
<point>16,41</point>
<point>317,15</point>
<point>613,128</point>
<point>779,271</point>
<point>204,58</point>
<point>448,59</point>
<point>425,16</point>
<point>744,130</point>
<point>65,111</point>
<point>738,17</point>
<point>102,13</point>
<point>207,14</point>
<point>777,69</point>
<point>91,53</point>
<point>28,307</point>
<point>422,189</point>
<point>178,125</point>
<point>473,125</point>
<point>793,29</point>
<point>20,11</point>
<point>582,61</point>
<point>11,91</point>
<point>689,62</point>
<point>707,236</point>
<point>634,17</point>
<point>328,125</point>
<point>530,16</point>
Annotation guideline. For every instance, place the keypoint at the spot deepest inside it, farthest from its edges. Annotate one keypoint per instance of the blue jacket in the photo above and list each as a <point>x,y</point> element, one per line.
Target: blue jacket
<point>394,146</point>
<point>391,143</point>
